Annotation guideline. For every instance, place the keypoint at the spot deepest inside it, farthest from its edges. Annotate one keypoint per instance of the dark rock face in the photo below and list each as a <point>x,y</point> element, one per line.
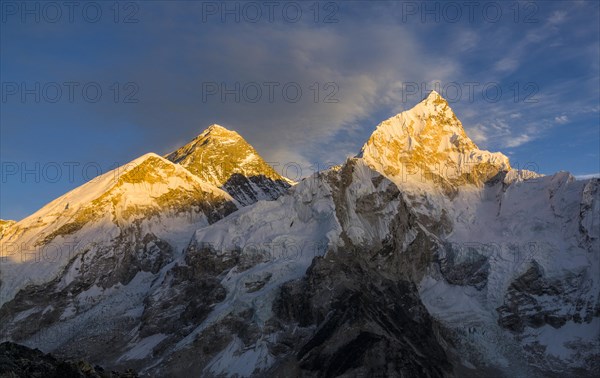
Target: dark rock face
<point>248,190</point>
<point>186,294</point>
<point>355,313</point>
<point>464,266</point>
<point>105,267</point>
<point>20,361</point>
<point>526,304</point>
<point>364,324</point>
<point>134,253</point>
<point>192,361</point>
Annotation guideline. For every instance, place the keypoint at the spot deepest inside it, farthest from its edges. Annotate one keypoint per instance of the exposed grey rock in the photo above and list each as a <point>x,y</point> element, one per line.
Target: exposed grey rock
<point>17,361</point>
<point>364,324</point>
<point>105,267</point>
<point>533,301</point>
<point>247,190</point>
<point>464,265</point>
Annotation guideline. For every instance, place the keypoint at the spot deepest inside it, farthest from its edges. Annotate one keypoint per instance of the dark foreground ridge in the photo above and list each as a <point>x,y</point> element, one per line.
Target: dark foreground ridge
<point>20,361</point>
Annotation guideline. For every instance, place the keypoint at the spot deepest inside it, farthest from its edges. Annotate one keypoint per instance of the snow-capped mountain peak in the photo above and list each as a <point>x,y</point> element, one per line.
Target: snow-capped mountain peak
<point>130,188</point>
<point>147,196</point>
<point>225,159</point>
<point>219,132</point>
<point>433,96</point>
<point>216,126</point>
<point>217,153</point>
<point>427,144</point>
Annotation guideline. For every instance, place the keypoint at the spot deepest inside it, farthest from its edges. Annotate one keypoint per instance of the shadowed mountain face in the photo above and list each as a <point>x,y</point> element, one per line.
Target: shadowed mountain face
<point>21,362</point>
<point>223,158</point>
<point>247,190</point>
<point>423,257</point>
<point>361,321</point>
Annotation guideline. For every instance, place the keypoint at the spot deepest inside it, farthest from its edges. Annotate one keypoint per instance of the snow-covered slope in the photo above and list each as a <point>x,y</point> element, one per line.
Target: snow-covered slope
<point>262,249</point>
<point>423,256</point>
<point>519,252</point>
<point>223,158</point>
<point>519,276</point>
<point>149,197</point>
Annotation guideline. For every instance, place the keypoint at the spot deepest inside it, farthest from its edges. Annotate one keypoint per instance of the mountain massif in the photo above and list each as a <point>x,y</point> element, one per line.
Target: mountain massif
<point>421,256</point>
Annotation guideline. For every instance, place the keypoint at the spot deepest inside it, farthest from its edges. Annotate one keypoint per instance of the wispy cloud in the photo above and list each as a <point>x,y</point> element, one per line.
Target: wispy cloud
<point>561,119</point>
<point>506,64</point>
<point>517,141</point>
<point>557,17</point>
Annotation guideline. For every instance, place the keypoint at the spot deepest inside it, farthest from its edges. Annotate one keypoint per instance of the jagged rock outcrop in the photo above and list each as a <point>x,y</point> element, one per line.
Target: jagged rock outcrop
<point>534,301</point>
<point>5,224</point>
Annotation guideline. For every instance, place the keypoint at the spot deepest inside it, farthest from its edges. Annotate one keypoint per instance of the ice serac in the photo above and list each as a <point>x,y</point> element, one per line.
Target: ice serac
<point>427,144</point>
<point>223,158</point>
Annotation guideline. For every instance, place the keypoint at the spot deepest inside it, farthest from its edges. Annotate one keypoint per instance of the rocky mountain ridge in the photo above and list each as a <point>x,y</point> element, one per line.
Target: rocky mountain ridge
<point>422,256</point>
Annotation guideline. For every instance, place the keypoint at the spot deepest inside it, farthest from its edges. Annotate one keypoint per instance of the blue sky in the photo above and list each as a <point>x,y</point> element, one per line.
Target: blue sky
<point>166,61</point>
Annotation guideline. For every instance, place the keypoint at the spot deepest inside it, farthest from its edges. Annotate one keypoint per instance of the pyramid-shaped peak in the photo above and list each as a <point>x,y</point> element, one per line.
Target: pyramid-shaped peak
<point>430,140</point>
<point>143,158</point>
<point>431,118</point>
<point>216,126</point>
<point>434,95</point>
<point>433,100</point>
<point>219,153</point>
<point>218,130</point>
